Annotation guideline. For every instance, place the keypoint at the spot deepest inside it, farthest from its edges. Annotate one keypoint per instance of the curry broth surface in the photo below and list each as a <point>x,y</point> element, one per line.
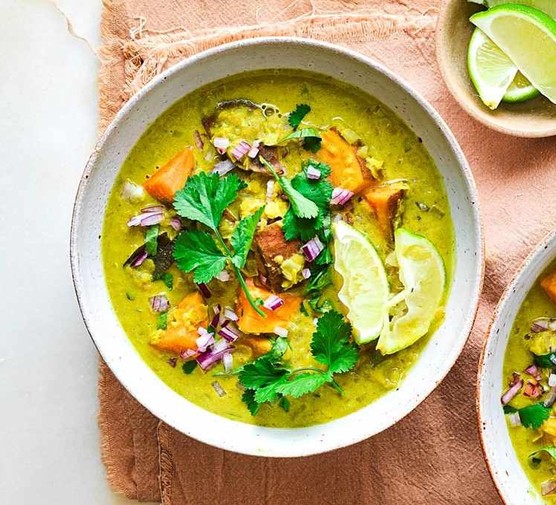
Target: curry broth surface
<point>332,103</point>
<point>517,358</point>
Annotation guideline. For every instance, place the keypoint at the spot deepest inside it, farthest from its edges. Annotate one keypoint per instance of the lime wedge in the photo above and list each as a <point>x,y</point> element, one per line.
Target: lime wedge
<point>364,290</point>
<point>491,71</point>
<point>520,90</point>
<point>423,276</point>
<point>546,6</point>
<point>528,37</point>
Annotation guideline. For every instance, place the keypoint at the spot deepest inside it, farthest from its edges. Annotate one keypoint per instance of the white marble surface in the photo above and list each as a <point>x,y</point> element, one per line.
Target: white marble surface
<point>48,366</point>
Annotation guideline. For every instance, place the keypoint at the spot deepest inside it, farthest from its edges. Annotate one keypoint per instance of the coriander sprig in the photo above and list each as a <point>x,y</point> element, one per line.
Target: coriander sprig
<point>204,199</point>
<point>267,379</point>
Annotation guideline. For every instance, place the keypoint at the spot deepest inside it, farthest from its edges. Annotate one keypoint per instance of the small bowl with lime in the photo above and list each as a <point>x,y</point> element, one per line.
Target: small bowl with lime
<point>498,60</point>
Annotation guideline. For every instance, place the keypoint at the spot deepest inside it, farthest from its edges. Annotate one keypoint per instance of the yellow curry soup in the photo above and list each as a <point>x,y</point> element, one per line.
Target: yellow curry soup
<point>529,365</point>
<point>223,265</point>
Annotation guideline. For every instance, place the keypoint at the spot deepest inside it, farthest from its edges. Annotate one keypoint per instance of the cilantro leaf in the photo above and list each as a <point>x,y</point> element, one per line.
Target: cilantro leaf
<point>151,240</point>
<point>188,367</point>
<point>248,398</point>
<point>545,360</point>
<point>205,197</point>
<point>312,144</point>
<point>196,251</point>
<point>330,345</point>
<point>162,321</point>
<point>318,191</point>
<point>296,116</point>
<point>242,237</point>
<point>533,416</point>
<point>303,384</point>
<point>261,373</point>
<point>304,133</point>
<point>285,403</point>
<point>301,206</point>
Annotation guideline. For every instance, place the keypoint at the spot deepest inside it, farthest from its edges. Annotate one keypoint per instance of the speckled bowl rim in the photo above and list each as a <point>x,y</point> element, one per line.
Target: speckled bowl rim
<point>319,446</point>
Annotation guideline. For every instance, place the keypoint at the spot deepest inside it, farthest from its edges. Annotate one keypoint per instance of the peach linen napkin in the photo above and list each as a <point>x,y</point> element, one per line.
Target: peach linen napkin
<point>433,456</point>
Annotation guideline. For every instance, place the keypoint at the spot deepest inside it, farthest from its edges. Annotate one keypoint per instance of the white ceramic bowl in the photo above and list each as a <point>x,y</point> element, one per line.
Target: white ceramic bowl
<point>112,149</point>
<point>510,479</point>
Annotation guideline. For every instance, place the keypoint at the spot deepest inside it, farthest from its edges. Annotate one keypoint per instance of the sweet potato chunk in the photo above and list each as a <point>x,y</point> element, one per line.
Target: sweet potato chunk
<point>268,244</point>
<point>348,169</point>
<point>548,284</point>
<point>251,322</point>
<point>169,179</point>
<point>385,201</point>
<point>259,345</point>
<point>183,321</point>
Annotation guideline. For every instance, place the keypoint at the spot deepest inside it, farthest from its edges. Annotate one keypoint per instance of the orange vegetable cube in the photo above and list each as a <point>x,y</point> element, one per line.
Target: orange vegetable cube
<point>251,322</point>
<point>548,284</point>
<point>183,322</point>
<point>169,179</point>
<point>348,169</point>
<point>385,201</point>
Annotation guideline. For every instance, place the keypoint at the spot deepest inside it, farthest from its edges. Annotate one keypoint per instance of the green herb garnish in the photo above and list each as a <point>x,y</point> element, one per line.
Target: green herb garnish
<point>533,416</point>
<point>545,360</point>
<point>296,116</point>
<point>188,367</point>
<point>319,192</point>
<point>166,278</point>
<point>204,199</point>
<point>301,206</point>
<point>151,240</point>
<point>267,379</point>
<point>162,321</point>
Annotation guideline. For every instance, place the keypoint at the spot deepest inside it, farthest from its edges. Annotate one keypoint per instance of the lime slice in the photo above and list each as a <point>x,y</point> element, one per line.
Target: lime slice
<point>528,37</point>
<point>491,71</point>
<point>546,6</point>
<point>423,276</point>
<point>364,290</point>
<point>520,90</point>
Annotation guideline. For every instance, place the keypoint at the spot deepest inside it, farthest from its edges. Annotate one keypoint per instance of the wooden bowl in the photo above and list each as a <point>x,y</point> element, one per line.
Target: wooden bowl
<point>534,118</point>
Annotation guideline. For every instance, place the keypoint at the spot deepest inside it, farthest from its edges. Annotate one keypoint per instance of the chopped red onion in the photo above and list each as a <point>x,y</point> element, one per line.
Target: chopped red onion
<point>221,345</point>
<point>153,209</point>
<point>132,192</point>
<point>312,248</point>
<point>228,362</point>
<point>219,389</point>
<point>254,149</point>
<point>187,354</point>
<point>198,140</point>
<point>281,332</point>
<point>269,189</point>
<point>204,289</point>
<point>221,144</point>
<point>241,150</point>
<point>223,167</point>
<point>175,223</point>
<point>205,340</point>
<point>230,314</point>
<point>313,173</point>
<point>217,308</point>
<point>532,390</point>
<point>215,321</point>
<point>532,370</point>
<point>552,380</point>
<point>514,419</point>
<point>223,276</point>
<point>159,303</point>
<point>543,324</point>
<point>229,332</point>
<point>139,258</point>
<point>515,386</point>
<point>208,358</point>
<point>306,273</point>
<point>548,487</point>
<point>147,218</point>
<point>341,196</point>
<point>273,302</point>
